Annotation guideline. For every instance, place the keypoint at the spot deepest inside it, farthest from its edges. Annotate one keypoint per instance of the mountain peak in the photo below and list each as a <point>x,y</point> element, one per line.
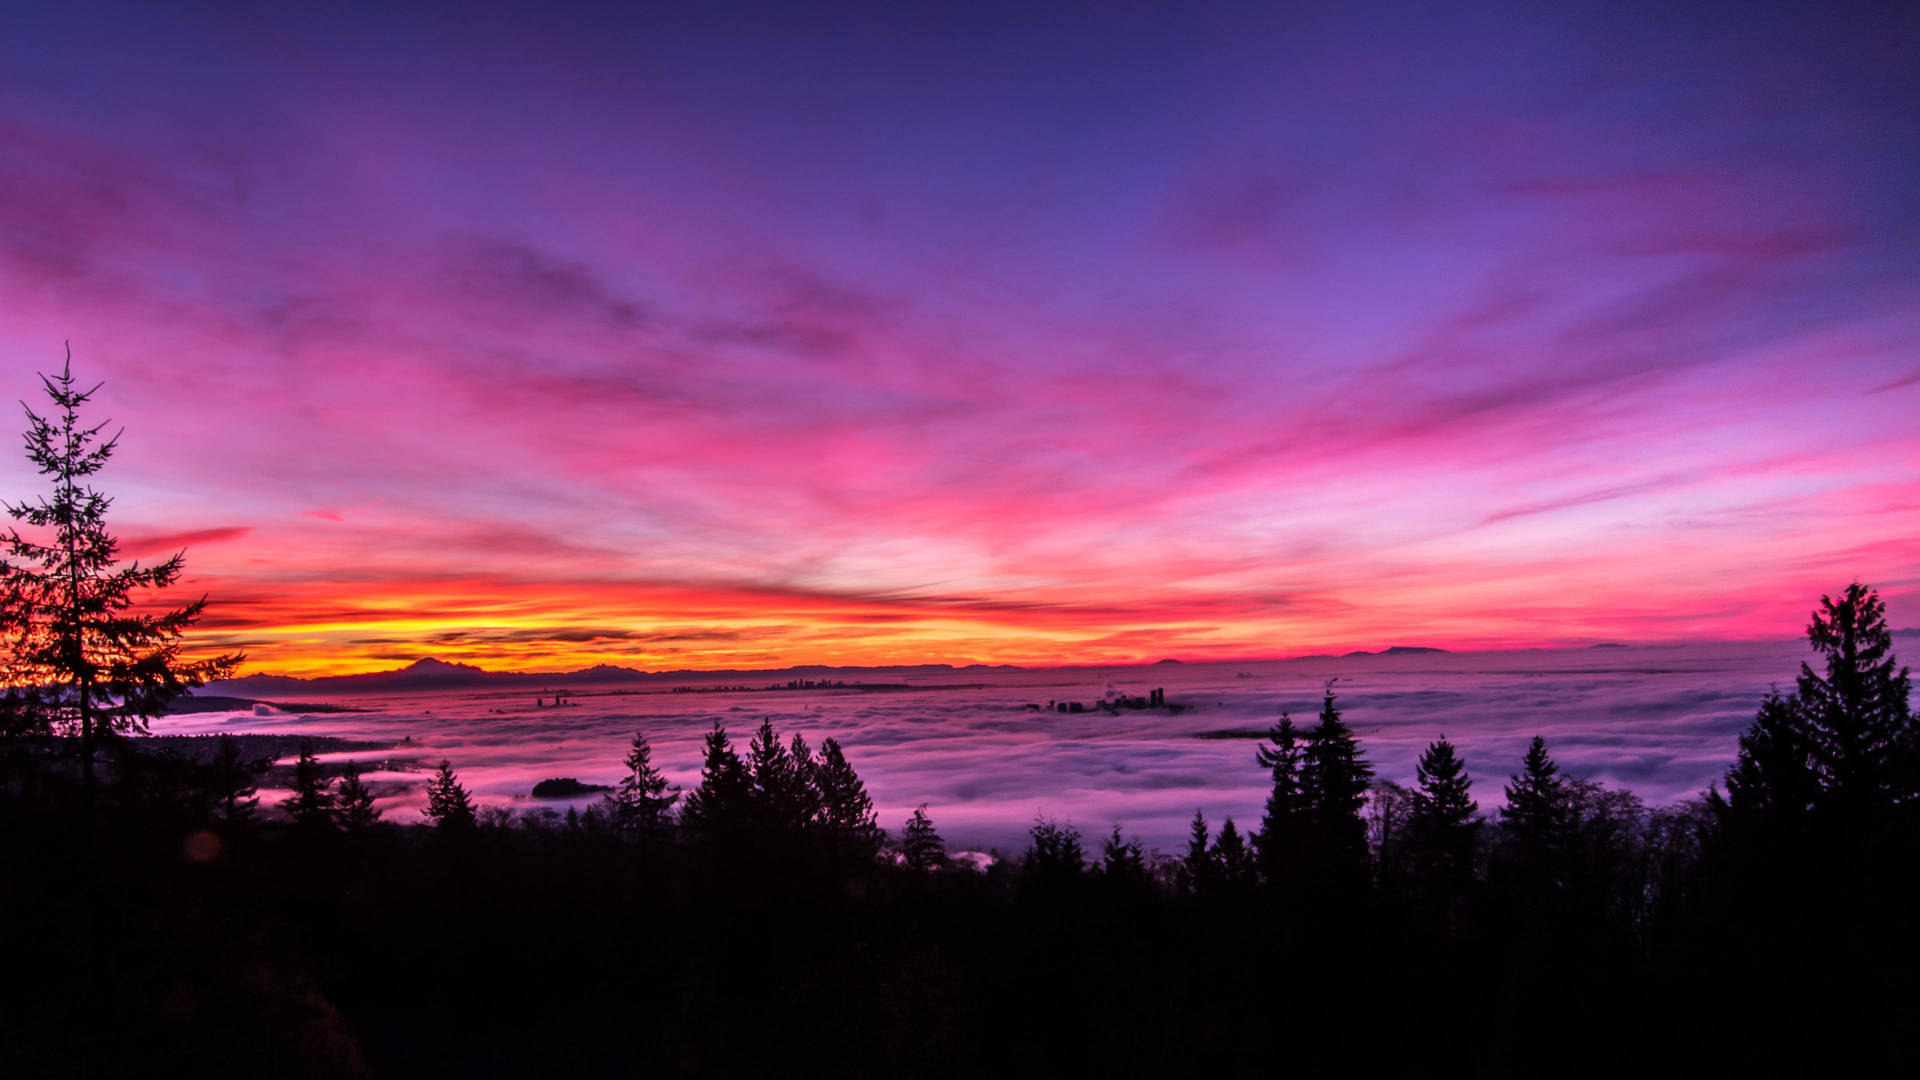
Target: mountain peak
<point>433,665</point>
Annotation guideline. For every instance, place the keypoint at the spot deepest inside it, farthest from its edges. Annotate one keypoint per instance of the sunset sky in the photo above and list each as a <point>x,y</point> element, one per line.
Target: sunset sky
<point>893,333</point>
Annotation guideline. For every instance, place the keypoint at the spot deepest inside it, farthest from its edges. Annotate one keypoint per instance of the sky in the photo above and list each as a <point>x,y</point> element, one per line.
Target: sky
<point>722,335</point>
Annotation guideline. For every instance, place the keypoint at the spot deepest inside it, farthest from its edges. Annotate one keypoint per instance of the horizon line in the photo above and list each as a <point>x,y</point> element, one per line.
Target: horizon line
<point>969,664</point>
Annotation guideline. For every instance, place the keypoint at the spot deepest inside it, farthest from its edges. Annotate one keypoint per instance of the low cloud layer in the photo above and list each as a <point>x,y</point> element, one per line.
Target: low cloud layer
<point>1660,721</point>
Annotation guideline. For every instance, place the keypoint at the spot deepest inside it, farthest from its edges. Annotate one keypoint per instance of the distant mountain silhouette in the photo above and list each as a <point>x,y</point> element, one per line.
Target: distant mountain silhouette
<point>429,669</point>
<point>432,673</point>
<point>1395,650</point>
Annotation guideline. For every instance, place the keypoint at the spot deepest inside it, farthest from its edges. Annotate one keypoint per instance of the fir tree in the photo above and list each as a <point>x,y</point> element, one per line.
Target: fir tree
<point>782,790</point>
<point>353,808</point>
<point>448,805</point>
<point>920,845</point>
<point>1334,781</point>
<point>1857,714</point>
<point>1443,825</point>
<point>231,780</point>
<point>806,785</point>
<point>1772,785</point>
<point>846,811</point>
<point>1196,869</point>
<point>1278,841</point>
<point>1233,864</point>
<point>1538,811</point>
<point>69,627</point>
<point>722,804</point>
<point>642,803</point>
<point>1123,864</point>
<point>311,803</point>
<point>1054,855</point>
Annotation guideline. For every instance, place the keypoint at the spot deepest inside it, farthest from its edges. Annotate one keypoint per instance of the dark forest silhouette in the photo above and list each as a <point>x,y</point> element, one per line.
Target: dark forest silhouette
<point>764,923</point>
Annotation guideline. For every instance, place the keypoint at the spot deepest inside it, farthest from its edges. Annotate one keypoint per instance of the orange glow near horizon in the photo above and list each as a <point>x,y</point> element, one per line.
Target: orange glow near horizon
<point>320,629</point>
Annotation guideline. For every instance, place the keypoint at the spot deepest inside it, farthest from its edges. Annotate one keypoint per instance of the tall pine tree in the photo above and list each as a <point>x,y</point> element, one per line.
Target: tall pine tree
<point>721,805</point>
<point>353,808</point>
<point>806,779</point>
<point>1196,869</point>
<point>311,803</point>
<point>1281,826</point>
<point>781,789</point>
<point>69,627</point>
<point>1773,785</point>
<point>1123,864</point>
<point>1233,865</point>
<point>846,811</point>
<point>1334,780</point>
<point>1538,814</point>
<point>231,781</point>
<point>1054,857</point>
<point>1857,713</point>
<point>642,803</point>
<point>449,806</point>
<point>1443,826</point>
<point>920,844</point>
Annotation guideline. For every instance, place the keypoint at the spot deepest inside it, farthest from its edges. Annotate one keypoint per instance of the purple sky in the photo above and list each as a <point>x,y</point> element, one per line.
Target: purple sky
<point>722,336</point>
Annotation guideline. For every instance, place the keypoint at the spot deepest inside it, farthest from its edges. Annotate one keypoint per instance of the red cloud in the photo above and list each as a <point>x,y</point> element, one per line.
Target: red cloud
<point>141,546</point>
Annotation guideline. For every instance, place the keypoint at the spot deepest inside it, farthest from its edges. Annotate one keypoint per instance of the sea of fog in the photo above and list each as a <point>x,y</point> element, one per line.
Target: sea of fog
<point>1661,720</point>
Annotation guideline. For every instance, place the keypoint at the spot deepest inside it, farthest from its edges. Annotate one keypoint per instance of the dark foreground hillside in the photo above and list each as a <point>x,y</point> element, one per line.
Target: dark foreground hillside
<point>136,949</point>
<point>762,924</point>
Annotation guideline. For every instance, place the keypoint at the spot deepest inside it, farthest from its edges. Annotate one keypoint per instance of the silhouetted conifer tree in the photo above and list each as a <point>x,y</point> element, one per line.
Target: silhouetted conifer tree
<point>68,627</point>
<point>1123,864</point>
<point>1842,749</point>
<point>780,792</point>
<point>920,845</point>
<point>1334,781</point>
<point>1233,864</point>
<point>1196,869</point>
<point>311,803</point>
<point>448,805</point>
<point>231,780</point>
<point>1279,839</point>
<point>1537,814</point>
<point>845,809</point>
<point>806,785</point>
<point>353,807</point>
<point>1772,785</point>
<point>642,803</point>
<point>1443,826</point>
<point>1857,715</point>
<point>1054,855</point>
<point>722,804</point>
